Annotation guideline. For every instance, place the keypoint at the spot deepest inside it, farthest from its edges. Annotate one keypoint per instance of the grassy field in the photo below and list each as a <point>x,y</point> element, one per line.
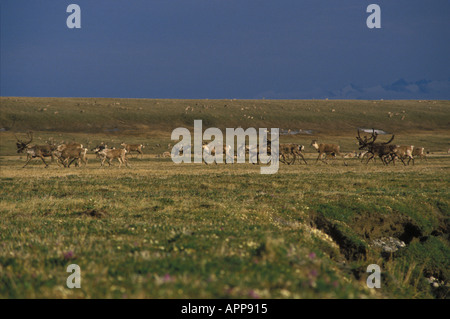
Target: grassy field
<point>161,230</point>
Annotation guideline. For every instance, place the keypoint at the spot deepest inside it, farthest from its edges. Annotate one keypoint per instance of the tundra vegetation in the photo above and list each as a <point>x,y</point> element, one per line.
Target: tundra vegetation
<point>164,230</point>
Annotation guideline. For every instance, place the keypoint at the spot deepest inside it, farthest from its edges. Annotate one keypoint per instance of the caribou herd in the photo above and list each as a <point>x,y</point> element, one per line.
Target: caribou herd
<point>67,153</point>
<point>369,148</point>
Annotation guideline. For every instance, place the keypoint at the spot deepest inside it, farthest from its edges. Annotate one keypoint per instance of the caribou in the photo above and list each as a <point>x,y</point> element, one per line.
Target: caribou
<point>134,148</point>
<point>34,151</point>
<point>383,150</point>
<point>63,146</point>
<point>289,153</point>
<point>411,152</point>
<point>71,153</point>
<point>110,154</point>
<point>99,148</point>
<point>419,152</point>
<point>328,150</point>
<point>211,151</point>
<point>403,152</point>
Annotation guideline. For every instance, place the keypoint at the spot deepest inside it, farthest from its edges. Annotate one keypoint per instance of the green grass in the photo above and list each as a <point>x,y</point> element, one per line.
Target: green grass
<point>197,231</point>
<point>128,116</point>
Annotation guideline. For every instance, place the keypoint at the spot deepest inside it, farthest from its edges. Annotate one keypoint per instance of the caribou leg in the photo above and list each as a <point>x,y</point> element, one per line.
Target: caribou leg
<point>295,157</point>
<point>73,160</point>
<point>318,158</point>
<point>300,154</point>
<point>320,154</point>
<point>42,158</point>
<point>29,158</point>
<point>343,157</point>
<point>286,158</point>
<point>373,155</point>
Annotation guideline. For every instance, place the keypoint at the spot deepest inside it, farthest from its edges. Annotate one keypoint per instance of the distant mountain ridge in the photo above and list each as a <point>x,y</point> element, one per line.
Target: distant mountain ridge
<point>400,89</point>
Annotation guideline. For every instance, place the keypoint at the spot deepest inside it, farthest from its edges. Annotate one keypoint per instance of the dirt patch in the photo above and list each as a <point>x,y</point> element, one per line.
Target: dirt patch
<point>351,249</point>
<point>443,229</point>
<point>97,213</point>
<point>366,228</point>
<point>373,226</point>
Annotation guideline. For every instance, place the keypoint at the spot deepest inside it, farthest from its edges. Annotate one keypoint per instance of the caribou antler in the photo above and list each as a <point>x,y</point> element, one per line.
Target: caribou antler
<point>21,145</point>
<point>366,140</point>
<point>373,137</point>
<point>30,136</point>
<point>389,140</point>
<point>359,136</point>
<point>362,141</point>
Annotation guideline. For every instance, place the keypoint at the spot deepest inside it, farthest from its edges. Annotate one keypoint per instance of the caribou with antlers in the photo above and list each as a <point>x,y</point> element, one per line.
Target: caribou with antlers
<point>34,151</point>
<point>384,150</point>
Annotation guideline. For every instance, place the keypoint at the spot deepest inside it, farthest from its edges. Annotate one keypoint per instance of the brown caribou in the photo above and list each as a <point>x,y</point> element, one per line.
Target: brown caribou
<point>328,150</point>
<point>72,154</point>
<point>383,150</point>
<point>289,152</point>
<point>403,152</point>
<point>111,154</point>
<point>134,148</point>
<point>419,152</point>
<point>411,152</point>
<point>34,151</point>
<point>63,146</point>
<point>66,151</point>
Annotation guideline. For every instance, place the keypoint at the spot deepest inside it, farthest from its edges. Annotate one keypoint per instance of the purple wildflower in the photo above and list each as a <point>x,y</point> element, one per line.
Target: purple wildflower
<point>69,255</point>
<point>253,294</point>
<point>167,278</point>
<point>313,273</point>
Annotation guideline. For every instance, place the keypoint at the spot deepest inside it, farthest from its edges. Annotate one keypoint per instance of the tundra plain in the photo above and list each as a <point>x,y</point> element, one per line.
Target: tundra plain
<point>162,230</point>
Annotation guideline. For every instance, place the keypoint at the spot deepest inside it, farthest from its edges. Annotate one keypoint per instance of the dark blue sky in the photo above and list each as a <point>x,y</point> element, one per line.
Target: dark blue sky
<point>226,49</point>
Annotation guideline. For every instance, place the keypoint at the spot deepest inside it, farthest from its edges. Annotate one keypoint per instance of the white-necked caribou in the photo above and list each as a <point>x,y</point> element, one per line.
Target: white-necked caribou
<point>34,151</point>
